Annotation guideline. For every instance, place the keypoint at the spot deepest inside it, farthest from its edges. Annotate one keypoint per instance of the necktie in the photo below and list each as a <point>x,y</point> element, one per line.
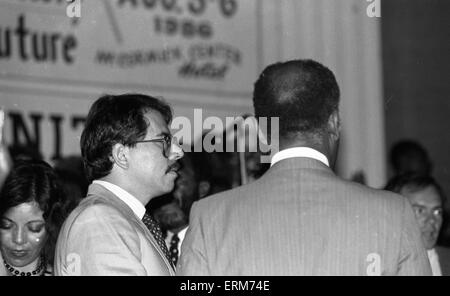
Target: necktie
<point>155,230</point>
<point>174,249</point>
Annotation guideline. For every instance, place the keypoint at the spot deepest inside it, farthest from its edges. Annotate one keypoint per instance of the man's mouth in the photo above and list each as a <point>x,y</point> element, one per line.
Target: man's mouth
<point>430,234</point>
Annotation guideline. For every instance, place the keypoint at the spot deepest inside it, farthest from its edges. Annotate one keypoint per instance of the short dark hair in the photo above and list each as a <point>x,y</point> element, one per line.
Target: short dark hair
<point>35,180</point>
<point>116,119</point>
<point>414,182</point>
<point>301,93</point>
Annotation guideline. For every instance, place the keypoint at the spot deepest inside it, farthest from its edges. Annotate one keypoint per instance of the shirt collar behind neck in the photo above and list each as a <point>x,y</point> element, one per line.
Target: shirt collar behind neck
<point>299,152</point>
<point>136,206</point>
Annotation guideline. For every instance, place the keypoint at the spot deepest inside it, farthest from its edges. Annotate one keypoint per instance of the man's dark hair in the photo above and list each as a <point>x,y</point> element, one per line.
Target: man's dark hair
<point>116,119</point>
<point>414,182</point>
<point>301,93</point>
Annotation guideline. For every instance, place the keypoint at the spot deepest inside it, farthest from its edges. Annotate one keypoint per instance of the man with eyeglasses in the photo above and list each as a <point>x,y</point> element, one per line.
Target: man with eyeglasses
<point>427,200</point>
<point>130,156</point>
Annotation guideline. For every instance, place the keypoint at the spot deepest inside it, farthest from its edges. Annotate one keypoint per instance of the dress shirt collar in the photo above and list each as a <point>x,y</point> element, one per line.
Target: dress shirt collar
<point>299,152</point>
<point>181,234</point>
<point>136,206</point>
<point>434,262</point>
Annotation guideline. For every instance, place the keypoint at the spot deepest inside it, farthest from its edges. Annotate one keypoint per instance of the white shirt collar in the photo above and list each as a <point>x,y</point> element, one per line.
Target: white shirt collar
<point>181,234</point>
<point>136,206</point>
<point>434,262</point>
<point>299,152</point>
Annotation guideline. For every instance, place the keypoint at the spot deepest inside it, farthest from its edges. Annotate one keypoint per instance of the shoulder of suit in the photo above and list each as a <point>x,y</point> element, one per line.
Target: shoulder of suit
<point>226,196</point>
<point>358,191</point>
<point>373,194</point>
<point>95,209</point>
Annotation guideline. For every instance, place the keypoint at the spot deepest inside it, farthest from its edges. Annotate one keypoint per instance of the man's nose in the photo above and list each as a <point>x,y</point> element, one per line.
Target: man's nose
<point>176,152</point>
<point>432,218</point>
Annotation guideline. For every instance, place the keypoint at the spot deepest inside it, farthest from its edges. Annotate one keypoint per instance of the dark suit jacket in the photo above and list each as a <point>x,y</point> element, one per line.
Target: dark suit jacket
<point>301,219</point>
<point>444,259</point>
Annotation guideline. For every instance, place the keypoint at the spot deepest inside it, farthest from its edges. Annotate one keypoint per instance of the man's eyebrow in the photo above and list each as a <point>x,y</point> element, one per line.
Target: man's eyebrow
<point>163,134</point>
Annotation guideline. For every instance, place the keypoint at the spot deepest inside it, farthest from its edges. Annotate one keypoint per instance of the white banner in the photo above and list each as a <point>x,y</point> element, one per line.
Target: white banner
<point>188,46</point>
<point>196,53</point>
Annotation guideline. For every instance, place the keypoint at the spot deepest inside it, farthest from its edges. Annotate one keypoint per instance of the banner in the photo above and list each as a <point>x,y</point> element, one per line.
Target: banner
<point>189,46</point>
<point>57,57</point>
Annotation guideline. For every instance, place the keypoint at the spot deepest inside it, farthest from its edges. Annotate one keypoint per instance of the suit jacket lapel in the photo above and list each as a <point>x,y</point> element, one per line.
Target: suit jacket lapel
<point>109,198</point>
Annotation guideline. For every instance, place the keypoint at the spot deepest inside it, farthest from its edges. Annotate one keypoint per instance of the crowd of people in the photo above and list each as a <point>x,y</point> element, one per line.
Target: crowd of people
<point>136,204</point>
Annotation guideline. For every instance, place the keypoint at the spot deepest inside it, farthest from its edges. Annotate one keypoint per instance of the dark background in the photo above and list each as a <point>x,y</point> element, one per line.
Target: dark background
<point>416,65</point>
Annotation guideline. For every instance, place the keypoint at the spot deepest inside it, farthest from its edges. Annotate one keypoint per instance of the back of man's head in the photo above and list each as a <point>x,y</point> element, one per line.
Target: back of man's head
<point>116,119</point>
<point>301,93</point>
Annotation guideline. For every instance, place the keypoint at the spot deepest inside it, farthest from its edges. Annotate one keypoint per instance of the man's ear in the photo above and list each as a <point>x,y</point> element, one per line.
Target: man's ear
<point>334,125</point>
<point>119,155</point>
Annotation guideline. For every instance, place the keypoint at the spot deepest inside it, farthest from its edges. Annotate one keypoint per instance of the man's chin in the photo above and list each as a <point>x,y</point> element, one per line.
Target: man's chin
<point>429,242</point>
<point>168,185</point>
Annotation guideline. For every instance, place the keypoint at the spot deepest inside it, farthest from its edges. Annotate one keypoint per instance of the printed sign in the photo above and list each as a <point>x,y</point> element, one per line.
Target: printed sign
<point>181,45</point>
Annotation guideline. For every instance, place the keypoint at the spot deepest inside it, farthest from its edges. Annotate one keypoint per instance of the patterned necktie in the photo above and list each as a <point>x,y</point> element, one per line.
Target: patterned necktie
<point>155,230</point>
<point>174,248</point>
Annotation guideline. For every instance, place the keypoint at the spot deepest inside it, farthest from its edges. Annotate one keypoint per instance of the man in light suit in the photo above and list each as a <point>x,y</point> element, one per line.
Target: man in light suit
<point>129,153</point>
<point>299,218</point>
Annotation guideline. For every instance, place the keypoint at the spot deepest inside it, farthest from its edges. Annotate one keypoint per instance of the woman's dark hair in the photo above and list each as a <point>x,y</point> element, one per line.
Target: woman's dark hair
<point>116,119</point>
<point>35,180</point>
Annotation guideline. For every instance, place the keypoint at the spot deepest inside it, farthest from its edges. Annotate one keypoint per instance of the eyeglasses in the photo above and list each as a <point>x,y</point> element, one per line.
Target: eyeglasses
<point>167,141</point>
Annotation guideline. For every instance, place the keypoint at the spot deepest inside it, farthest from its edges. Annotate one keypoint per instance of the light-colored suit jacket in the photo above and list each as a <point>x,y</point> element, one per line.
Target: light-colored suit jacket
<point>103,236</point>
<point>301,219</point>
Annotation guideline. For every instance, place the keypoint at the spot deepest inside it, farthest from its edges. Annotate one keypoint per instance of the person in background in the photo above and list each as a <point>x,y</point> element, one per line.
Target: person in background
<point>409,157</point>
<point>172,210</point>
<point>299,218</point>
<point>130,155</point>
<point>32,210</point>
<point>427,200</point>
<point>70,172</point>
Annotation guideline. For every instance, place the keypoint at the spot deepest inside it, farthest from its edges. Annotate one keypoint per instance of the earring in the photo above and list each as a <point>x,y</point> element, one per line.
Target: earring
<point>37,240</point>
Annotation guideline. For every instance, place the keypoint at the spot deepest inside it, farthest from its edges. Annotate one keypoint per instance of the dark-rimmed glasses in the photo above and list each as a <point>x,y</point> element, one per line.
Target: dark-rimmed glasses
<point>167,141</point>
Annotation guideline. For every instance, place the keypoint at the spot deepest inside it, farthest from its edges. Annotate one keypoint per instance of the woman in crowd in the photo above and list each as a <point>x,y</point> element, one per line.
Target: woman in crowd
<point>32,209</point>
